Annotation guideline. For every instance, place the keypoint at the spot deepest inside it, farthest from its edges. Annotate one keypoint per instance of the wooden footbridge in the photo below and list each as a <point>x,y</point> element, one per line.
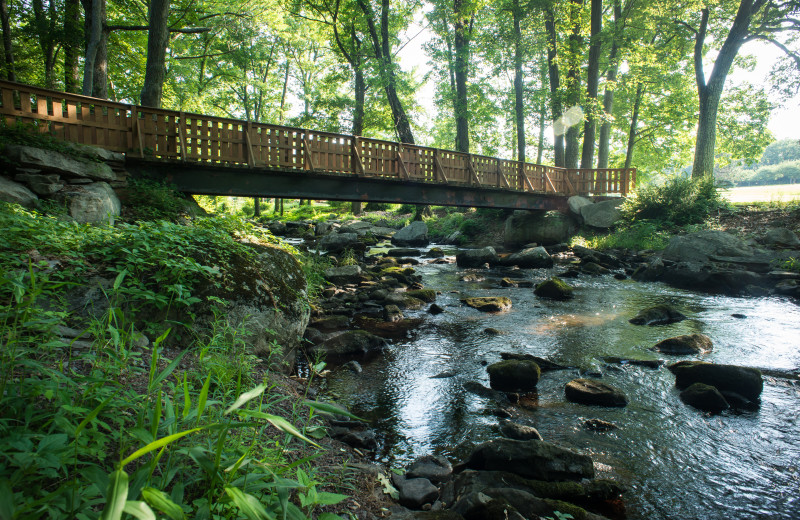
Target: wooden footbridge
<point>220,156</point>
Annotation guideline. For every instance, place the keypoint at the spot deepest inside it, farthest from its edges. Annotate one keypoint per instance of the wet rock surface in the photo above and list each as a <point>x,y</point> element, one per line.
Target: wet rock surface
<point>591,392</point>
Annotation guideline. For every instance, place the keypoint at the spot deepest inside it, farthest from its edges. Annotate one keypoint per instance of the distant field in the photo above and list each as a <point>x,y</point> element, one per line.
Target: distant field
<point>778,193</point>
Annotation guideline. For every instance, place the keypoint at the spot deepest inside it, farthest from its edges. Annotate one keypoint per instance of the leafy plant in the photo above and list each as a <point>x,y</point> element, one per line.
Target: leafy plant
<point>152,200</point>
<point>679,201</point>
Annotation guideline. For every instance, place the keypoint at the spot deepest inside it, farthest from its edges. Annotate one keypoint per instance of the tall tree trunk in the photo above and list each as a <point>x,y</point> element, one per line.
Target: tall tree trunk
<point>72,42</point>
<point>604,139</point>
<point>519,91</point>
<point>709,93</point>
<point>95,64</point>
<point>8,50</point>
<point>156,67</point>
<point>634,122</point>
<point>592,81</point>
<point>555,82</point>
<point>575,41</point>
<point>461,47</point>
<point>45,23</point>
<point>358,113</point>
<point>283,100</point>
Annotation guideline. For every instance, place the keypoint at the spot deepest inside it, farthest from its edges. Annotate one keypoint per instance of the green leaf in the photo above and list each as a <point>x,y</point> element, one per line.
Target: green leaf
<point>93,414</point>
<point>162,502</point>
<point>120,277</point>
<point>324,498</point>
<point>139,510</point>
<point>6,501</point>
<point>159,443</point>
<point>331,409</point>
<point>201,400</point>
<point>329,516</point>
<point>245,397</point>
<point>248,505</point>
<point>166,372</point>
<point>116,495</point>
<point>280,423</point>
<point>187,400</point>
<point>388,487</point>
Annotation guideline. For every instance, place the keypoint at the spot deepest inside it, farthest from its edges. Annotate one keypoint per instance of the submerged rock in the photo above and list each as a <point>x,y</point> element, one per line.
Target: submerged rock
<point>477,257</point>
<point>686,344</point>
<point>544,364</point>
<point>530,258</point>
<point>532,459</point>
<point>488,303</point>
<point>555,289</point>
<point>518,431</point>
<point>599,425</point>
<point>514,375</point>
<point>352,343</point>
<point>657,315</point>
<point>591,392</point>
<point>704,397</point>
<point>745,381</point>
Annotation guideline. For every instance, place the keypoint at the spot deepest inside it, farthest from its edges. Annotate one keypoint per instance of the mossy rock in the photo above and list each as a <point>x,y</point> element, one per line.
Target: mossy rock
<point>514,375</point>
<point>488,303</point>
<point>657,315</point>
<point>554,288</point>
<point>591,392</point>
<point>745,381</point>
<point>426,295</point>
<point>704,397</point>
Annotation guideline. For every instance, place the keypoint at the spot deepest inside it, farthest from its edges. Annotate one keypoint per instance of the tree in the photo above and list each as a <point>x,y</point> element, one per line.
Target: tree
<point>156,67</point>
<point>463,20</point>
<point>753,20</point>
<point>592,81</point>
<point>8,49</point>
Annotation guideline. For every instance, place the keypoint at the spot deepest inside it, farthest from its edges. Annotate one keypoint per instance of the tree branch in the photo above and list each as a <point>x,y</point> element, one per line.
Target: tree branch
<point>189,30</point>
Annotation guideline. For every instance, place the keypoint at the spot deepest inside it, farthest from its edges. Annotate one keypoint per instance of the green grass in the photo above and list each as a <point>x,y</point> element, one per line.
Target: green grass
<point>637,236</point>
<point>778,194</point>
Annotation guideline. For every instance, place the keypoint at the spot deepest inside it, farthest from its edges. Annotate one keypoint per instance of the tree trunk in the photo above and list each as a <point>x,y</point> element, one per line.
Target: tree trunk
<point>461,47</point>
<point>156,67</point>
<point>257,206</point>
<point>283,101</point>
<point>575,41</point>
<point>519,91</point>
<point>72,41</point>
<point>358,114</point>
<point>592,80</point>
<point>95,61</point>
<point>555,82</point>
<point>45,24</point>
<point>709,93</point>
<point>634,122</point>
<point>8,50</point>
<point>608,96</point>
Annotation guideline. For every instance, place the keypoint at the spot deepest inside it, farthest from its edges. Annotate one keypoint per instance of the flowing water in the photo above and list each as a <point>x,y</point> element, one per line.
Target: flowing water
<point>675,461</point>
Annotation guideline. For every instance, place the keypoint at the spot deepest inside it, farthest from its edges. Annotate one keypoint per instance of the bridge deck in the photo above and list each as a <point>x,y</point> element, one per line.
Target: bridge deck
<point>214,155</point>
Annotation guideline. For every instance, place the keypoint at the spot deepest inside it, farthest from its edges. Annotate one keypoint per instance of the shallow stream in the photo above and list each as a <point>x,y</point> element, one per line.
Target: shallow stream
<point>675,461</point>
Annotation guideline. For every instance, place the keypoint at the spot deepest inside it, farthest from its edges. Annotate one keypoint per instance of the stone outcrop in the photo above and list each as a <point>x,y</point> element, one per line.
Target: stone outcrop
<point>91,203</point>
<point>530,459</point>
<point>17,193</point>
<point>413,235</point>
<point>545,228</point>
<point>602,214</point>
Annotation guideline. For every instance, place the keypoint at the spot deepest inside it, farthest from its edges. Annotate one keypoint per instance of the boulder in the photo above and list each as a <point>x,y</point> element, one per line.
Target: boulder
<point>591,392</point>
<point>530,258</point>
<point>576,202</point>
<point>554,288</point>
<point>488,303</point>
<point>686,344</point>
<point>16,193</point>
<point>93,203</point>
<point>514,375</point>
<point>57,162</point>
<point>602,214</point>
<point>518,431</point>
<point>657,315</point>
<point>544,364</point>
<point>41,184</point>
<point>416,492</point>
<point>704,397</point>
<point>704,245</point>
<point>338,242</point>
<point>744,381</point>
<point>426,295</point>
<point>530,459</point>
<point>545,228</point>
<point>413,235</point>
<point>352,343</point>
<point>432,467</point>
<point>476,257</point>
<point>344,274</point>
<point>781,237</point>
<point>403,251</point>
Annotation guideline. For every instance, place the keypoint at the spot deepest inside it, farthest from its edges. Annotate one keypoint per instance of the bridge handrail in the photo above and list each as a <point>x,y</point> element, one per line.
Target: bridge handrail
<point>185,136</point>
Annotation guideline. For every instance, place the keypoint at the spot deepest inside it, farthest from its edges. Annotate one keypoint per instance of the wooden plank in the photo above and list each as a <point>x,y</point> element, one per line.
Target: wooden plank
<point>501,175</point>
<point>473,179</point>
<point>401,164</point>
<point>307,150</point>
<point>137,130</point>
<point>251,160</point>
<point>550,182</point>
<point>438,171</point>
<point>358,164</point>
<point>569,183</point>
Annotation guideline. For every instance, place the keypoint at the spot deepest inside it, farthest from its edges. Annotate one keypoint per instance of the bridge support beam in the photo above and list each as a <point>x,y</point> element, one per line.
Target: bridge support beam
<point>207,179</point>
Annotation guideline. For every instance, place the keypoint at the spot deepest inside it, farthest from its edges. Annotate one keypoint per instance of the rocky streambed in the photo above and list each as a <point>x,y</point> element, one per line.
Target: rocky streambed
<point>411,346</point>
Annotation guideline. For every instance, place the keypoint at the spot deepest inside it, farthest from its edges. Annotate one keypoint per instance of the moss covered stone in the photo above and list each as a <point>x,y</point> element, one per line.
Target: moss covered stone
<point>488,303</point>
<point>426,295</point>
<point>514,375</point>
<point>554,288</point>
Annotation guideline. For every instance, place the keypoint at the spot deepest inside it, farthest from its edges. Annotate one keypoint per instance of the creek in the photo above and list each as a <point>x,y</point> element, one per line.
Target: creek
<point>675,461</point>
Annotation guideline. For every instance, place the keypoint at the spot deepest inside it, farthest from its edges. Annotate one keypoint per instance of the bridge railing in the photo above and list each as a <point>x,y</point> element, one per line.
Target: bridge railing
<point>174,135</point>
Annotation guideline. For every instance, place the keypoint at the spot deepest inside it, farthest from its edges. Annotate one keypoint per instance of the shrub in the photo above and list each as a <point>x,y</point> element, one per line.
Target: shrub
<point>679,201</point>
<point>644,234</point>
<point>377,206</point>
<point>471,228</point>
<point>151,200</point>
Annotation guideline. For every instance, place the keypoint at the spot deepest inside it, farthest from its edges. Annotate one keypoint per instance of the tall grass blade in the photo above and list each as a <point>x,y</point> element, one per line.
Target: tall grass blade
<point>201,400</point>
<point>139,510</point>
<point>93,414</point>
<point>159,443</point>
<point>281,424</point>
<point>156,415</point>
<point>331,409</point>
<point>162,502</point>
<point>245,397</point>
<point>187,400</point>
<point>248,505</point>
<point>116,495</point>
<point>166,372</point>
<point>6,501</point>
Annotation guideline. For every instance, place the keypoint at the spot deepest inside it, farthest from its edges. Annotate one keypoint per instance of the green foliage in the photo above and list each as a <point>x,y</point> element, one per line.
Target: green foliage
<point>107,426</point>
<point>405,209</point>
<point>442,227</point>
<point>37,135</point>
<point>471,228</point>
<point>377,206</point>
<point>782,173</point>
<point>638,235</point>
<point>792,264</point>
<point>152,200</point>
<point>678,201</point>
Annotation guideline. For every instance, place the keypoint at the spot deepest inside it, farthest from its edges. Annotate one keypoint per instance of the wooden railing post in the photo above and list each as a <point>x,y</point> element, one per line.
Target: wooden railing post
<point>358,164</point>
<point>402,165</point>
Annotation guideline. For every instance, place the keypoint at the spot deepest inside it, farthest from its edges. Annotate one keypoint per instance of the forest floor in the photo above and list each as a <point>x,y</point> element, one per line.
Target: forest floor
<point>756,219</point>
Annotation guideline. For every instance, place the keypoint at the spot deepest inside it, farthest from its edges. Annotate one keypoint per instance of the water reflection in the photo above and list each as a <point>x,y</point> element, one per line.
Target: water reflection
<point>676,462</point>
